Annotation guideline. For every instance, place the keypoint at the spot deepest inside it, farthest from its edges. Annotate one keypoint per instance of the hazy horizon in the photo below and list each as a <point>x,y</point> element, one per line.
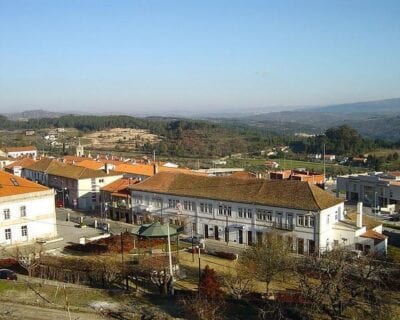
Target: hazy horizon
<point>155,58</point>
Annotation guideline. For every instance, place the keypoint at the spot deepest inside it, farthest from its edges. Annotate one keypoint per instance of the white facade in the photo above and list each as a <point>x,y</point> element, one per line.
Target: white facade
<point>308,231</point>
<point>27,217</point>
<point>373,189</point>
<point>22,153</point>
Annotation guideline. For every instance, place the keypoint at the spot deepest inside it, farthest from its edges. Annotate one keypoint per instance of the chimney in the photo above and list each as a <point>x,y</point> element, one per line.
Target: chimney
<point>107,168</point>
<point>155,167</point>
<point>359,214</point>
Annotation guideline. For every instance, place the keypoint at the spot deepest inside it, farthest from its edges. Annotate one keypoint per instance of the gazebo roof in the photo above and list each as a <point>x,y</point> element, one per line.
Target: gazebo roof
<point>156,230</point>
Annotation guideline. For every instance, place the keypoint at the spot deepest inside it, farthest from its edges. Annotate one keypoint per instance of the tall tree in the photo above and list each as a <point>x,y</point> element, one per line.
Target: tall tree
<point>267,259</point>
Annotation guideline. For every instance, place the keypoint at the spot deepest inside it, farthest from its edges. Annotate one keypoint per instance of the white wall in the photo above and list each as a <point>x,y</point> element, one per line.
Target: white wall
<point>89,193</point>
<point>40,217</point>
<point>16,154</point>
<point>320,233</point>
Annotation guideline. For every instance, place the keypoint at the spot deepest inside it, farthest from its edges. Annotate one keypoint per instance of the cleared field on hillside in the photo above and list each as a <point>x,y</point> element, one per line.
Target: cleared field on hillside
<point>123,138</point>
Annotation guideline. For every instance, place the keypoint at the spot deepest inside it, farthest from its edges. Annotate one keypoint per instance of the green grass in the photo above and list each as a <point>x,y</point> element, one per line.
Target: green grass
<point>331,168</point>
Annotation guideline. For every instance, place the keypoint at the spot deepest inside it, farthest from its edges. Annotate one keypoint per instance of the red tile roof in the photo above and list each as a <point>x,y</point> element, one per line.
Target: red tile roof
<point>24,162</point>
<point>119,185</point>
<point>277,193</point>
<point>373,235</point>
<point>12,185</point>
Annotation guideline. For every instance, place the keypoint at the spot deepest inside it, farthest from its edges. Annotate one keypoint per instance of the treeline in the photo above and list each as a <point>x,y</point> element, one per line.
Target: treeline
<point>343,140</point>
<point>180,137</point>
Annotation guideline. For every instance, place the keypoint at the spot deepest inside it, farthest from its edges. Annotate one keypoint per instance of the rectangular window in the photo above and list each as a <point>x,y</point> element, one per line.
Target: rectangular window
<point>22,209</point>
<point>6,214</point>
<point>8,234</point>
<point>220,208</point>
<point>249,214</point>
<point>170,204</point>
<point>328,217</point>
<point>210,208</point>
<point>300,220</point>
<point>24,231</point>
<point>240,213</point>
<point>201,207</point>
<point>312,221</point>
<point>185,205</point>
<point>269,216</point>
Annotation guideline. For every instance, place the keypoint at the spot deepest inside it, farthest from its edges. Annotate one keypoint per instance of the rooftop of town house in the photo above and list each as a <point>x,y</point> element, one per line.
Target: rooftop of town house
<point>278,193</point>
<point>12,185</point>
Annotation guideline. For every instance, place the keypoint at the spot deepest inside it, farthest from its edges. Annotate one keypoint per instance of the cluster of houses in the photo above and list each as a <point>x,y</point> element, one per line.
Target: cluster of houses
<point>233,206</point>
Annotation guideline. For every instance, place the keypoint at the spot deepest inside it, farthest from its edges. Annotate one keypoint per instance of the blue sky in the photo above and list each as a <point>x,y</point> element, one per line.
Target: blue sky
<point>195,56</point>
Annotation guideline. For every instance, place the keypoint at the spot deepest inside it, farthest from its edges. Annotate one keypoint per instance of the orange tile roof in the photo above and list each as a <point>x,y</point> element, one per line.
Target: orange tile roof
<point>12,185</point>
<point>373,235</point>
<point>367,221</point>
<point>277,193</point>
<point>90,164</point>
<point>24,162</point>
<point>56,168</point>
<point>18,149</point>
<point>146,169</point>
<point>119,185</point>
<point>71,159</point>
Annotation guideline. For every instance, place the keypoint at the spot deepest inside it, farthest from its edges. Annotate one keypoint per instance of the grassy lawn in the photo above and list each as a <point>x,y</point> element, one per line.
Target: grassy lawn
<point>224,266</point>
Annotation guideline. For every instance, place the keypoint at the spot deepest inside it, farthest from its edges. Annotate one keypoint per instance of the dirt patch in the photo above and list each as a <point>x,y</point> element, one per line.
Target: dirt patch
<point>121,138</point>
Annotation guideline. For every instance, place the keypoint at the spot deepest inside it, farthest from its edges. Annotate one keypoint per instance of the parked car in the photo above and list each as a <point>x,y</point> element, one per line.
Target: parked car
<point>8,274</point>
<point>59,204</point>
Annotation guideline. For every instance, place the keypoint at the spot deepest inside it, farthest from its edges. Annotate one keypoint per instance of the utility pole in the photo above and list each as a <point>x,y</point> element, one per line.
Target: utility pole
<point>122,260</point>
<point>170,260</point>
<point>324,165</point>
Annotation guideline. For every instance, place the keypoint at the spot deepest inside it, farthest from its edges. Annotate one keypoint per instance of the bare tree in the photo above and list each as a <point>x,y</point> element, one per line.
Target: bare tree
<point>199,307</point>
<point>337,282</point>
<point>238,282</point>
<point>267,259</point>
<point>27,256</point>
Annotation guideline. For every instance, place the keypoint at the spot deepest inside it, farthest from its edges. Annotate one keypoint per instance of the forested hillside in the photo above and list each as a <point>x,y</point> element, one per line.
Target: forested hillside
<point>179,137</point>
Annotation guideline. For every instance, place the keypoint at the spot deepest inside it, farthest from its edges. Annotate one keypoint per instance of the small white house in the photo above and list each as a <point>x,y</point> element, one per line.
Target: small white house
<point>27,211</point>
<point>16,152</point>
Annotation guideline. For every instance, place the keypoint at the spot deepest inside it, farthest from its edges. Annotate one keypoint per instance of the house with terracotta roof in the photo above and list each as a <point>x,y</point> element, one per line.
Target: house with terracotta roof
<point>16,167</point>
<point>76,186</point>
<point>27,211</point>
<point>240,210</point>
<point>16,152</point>
<point>116,199</point>
<point>360,232</point>
<point>5,161</point>
<point>301,175</point>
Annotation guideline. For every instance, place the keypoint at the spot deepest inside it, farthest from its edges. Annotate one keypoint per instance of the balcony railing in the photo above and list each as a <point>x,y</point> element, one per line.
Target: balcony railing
<point>283,226</point>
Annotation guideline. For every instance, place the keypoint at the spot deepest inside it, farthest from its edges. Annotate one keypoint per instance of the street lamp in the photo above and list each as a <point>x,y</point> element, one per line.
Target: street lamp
<point>199,252</point>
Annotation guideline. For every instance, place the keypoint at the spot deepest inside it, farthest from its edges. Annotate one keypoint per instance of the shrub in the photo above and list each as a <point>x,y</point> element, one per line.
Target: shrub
<point>226,255</point>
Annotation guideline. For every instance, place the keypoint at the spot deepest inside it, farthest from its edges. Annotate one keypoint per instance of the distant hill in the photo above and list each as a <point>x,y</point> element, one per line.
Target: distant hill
<point>33,114</point>
<point>377,106</point>
<point>374,119</point>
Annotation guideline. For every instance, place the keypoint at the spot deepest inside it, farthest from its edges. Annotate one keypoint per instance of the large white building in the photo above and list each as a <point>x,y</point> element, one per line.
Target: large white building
<point>76,187</point>
<point>375,189</point>
<point>27,211</point>
<point>243,210</point>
